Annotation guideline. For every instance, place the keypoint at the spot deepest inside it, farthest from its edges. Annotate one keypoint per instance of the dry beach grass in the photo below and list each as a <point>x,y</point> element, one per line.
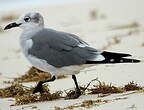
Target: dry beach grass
<point>34,74</point>
<point>23,94</point>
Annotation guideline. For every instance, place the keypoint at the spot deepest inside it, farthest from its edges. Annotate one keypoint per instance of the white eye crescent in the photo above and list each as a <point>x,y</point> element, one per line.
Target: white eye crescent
<point>27,19</point>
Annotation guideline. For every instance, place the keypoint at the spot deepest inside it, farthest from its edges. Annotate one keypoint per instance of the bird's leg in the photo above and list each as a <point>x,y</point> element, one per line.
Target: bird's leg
<point>39,87</point>
<point>77,90</point>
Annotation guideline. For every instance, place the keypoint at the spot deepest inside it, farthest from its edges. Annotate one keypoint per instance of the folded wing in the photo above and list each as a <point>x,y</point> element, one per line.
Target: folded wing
<point>62,49</point>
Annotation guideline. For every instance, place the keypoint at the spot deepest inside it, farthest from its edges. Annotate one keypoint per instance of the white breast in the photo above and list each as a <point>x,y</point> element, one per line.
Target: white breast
<point>26,46</point>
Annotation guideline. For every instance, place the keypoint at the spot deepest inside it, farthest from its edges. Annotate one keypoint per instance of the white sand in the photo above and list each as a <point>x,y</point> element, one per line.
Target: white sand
<point>75,18</point>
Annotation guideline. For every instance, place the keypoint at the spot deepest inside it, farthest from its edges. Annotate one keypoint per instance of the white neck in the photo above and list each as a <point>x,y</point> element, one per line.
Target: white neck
<point>28,32</point>
<point>25,38</point>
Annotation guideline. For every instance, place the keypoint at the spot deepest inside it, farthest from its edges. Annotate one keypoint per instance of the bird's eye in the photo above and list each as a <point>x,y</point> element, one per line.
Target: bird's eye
<point>27,19</point>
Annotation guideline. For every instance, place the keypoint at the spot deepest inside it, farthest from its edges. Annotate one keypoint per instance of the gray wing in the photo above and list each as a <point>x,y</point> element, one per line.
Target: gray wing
<point>61,49</point>
<point>76,37</point>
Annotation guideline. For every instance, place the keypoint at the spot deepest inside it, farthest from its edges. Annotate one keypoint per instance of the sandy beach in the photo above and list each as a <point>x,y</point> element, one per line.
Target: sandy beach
<point>114,25</point>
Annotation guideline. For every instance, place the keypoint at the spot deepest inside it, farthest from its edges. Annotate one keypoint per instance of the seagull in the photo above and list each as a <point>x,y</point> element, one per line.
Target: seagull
<point>59,52</point>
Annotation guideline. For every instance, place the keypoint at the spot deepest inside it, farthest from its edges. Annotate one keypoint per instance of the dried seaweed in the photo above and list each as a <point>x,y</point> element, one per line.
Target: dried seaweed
<point>84,104</point>
<point>89,103</point>
<point>35,74</point>
<point>32,98</point>
<point>132,86</point>
<point>105,89</point>
<point>23,94</point>
<point>14,89</point>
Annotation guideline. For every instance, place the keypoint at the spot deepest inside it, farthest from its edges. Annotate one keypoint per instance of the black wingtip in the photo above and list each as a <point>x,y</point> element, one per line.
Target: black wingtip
<point>115,55</point>
<point>112,61</point>
<point>136,61</point>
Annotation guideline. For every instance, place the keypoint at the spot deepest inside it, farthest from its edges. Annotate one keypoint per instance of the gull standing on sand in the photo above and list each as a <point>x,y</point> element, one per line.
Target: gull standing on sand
<point>59,52</point>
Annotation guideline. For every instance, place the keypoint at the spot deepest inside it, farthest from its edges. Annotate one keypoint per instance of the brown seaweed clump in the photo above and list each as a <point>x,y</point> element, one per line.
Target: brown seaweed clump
<point>132,86</point>
<point>32,98</point>
<point>23,94</point>
<point>105,89</point>
<point>35,74</point>
<point>13,90</point>
<point>108,88</point>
